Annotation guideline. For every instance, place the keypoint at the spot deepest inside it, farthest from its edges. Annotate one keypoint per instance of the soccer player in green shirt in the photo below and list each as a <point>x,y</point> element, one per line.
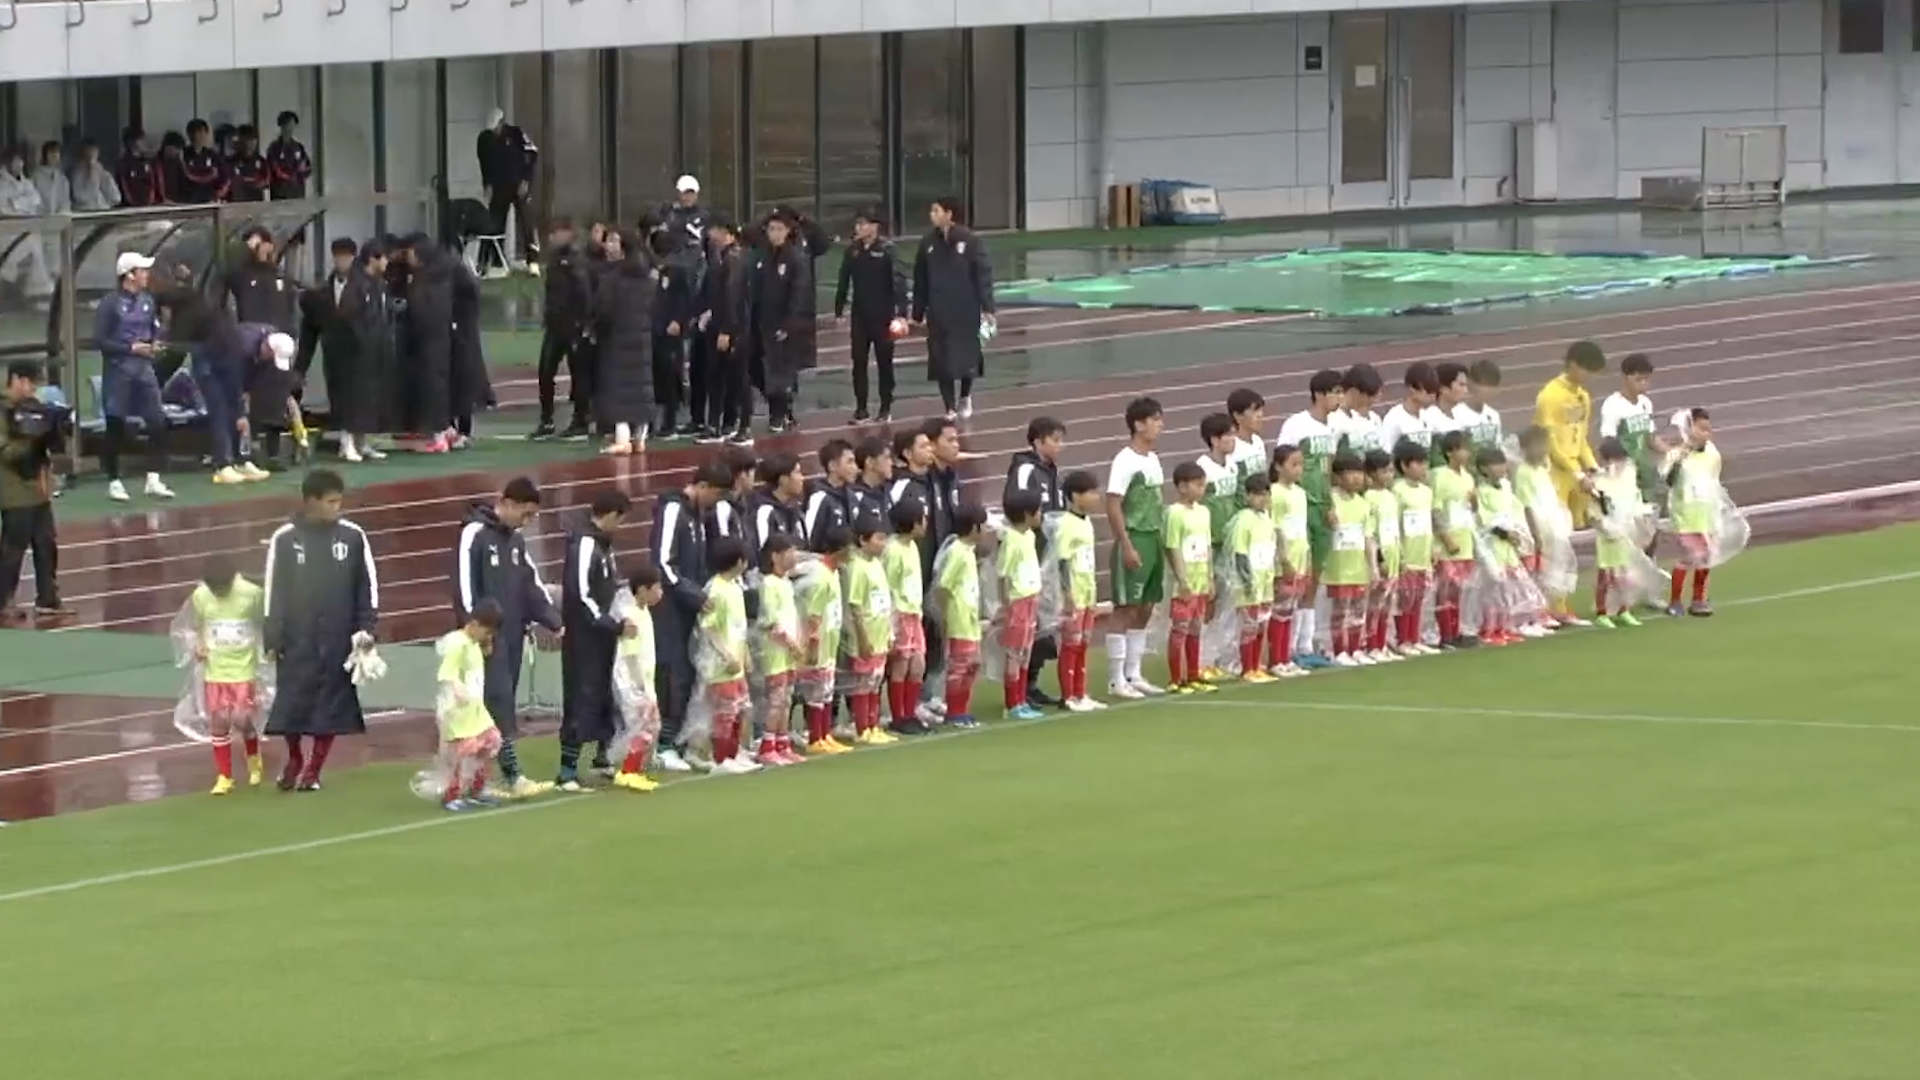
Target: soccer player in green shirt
<point>1294,573</point>
<point>1189,548</point>
<point>1222,500</point>
<point>1134,516</point>
<point>1072,554</point>
<point>1252,542</point>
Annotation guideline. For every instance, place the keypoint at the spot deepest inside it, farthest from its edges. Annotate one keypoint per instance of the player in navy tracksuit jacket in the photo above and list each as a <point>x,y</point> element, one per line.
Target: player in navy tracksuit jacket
<point>680,554</point>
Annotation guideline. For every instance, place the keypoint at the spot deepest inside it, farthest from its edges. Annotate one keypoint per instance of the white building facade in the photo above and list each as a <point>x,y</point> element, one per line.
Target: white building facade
<point>1028,109</point>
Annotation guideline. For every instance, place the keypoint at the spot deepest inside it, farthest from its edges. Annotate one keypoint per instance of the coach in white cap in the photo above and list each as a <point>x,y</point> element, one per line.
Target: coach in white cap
<point>683,218</point>
<point>127,327</point>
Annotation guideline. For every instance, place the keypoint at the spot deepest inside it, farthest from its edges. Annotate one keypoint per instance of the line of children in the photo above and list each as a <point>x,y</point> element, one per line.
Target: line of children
<point>1243,541</point>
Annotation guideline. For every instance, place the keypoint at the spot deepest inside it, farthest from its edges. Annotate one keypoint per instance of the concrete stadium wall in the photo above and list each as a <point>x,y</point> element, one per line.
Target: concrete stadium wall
<point>1629,84</point>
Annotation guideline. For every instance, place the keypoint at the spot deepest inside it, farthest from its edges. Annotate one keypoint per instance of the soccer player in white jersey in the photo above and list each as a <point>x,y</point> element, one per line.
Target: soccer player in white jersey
<point>1443,415</point>
<point>1249,412</point>
<point>1477,415</point>
<point>1627,415</point>
<point>1355,422</point>
<point>1407,418</point>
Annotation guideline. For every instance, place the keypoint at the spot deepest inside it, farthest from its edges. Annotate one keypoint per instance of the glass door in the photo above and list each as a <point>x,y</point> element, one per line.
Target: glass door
<point>1398,103</point>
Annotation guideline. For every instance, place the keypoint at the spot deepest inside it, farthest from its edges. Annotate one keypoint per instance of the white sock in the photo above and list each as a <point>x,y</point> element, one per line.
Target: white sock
<point>346,444</point>
<point>1303,632</point>
<point>622,433</point>
<point>1116,658</point>
<point>1136,653</point>
<point>153,479</point>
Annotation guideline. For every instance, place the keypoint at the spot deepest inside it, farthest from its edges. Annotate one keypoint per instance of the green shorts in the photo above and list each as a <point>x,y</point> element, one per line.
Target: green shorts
<point>1319,540</point>
<point>1143,587</point>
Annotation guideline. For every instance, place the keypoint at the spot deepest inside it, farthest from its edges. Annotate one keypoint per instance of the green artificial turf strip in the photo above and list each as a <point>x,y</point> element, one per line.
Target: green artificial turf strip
<point>1520,875</point>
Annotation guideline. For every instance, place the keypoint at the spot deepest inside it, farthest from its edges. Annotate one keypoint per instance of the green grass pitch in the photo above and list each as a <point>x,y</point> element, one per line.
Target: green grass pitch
<point>1686,851</point>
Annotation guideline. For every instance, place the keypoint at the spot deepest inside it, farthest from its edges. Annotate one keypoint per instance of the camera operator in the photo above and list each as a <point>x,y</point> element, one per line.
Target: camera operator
<point>29,435</point>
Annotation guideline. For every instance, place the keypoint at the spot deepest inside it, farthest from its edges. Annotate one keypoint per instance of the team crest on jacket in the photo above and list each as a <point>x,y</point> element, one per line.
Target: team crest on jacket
<point>299,553</point>
<point>961,247</point>
<point>339,551</point>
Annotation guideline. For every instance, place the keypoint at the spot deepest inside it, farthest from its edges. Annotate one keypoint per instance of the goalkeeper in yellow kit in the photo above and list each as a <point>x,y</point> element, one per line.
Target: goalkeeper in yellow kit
<point>1565,410</point>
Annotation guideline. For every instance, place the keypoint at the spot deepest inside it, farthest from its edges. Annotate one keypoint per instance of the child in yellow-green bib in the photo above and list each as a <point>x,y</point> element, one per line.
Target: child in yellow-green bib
<point>1253,551</point>
<point>1455,520</point>
<point>1693,502</point>
<point>468,739</point>
<point>1415,498</point>
<point>226,613</point>
<point>1352,561</point>
<point>1385,526</point>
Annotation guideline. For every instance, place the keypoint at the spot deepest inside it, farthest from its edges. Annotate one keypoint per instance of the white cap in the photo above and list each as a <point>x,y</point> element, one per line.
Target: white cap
<point>282,346</point>
<point>130,261</point>
<point>687,183</point>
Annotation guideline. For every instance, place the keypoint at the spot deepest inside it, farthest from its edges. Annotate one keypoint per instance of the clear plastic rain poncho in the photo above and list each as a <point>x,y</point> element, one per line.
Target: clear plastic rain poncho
<point>816,683</point>
<point>190,712</point>
<point>1627,519</point>
<point>1728,529</point>
<point>1506,589</point>
<point>432,782</point>
<point>711,657</point>
<point>633,679</point>
<point>1220,637</point>
<point>992,663</point>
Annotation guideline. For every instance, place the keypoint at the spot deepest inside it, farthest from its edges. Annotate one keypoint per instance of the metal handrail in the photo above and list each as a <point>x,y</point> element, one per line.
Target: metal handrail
<point>398,5</point>
<point>145,17</point>
<point>215,17</point>
<point>279,9</point>
<point>13,15</point>
<point>456,5</point>
<point>332,11</point>
<point>82,6</point>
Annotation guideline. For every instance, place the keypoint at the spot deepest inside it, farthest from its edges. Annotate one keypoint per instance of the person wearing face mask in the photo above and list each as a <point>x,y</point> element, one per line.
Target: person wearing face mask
<point>92,183</point>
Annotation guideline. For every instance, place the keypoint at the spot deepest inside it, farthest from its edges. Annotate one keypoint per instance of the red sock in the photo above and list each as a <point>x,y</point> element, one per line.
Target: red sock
<point>959,695</point>
<point>910,697</point>
<point>1679,585</point>
<point>873,709</point>
<point>1069,669</point>
<point>1193,656</point>
<point>223,758</point>
<point>819,723</point>
<point>296,761</point>
<point>1700,585</point>
<point>768,741</point>
<point>1250,654</point>
<point>453,786</point>
<point>1280,640</point>
<point>322,746</point>
<point>252,744</point>
<point>895,688</point>
<point>1176,657</point>
<point>726,739</point>
<point>478,785</point>
<point>1600,593</point>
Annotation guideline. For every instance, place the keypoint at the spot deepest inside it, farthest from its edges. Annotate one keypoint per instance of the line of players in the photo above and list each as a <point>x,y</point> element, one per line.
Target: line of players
<point>765,589</point>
